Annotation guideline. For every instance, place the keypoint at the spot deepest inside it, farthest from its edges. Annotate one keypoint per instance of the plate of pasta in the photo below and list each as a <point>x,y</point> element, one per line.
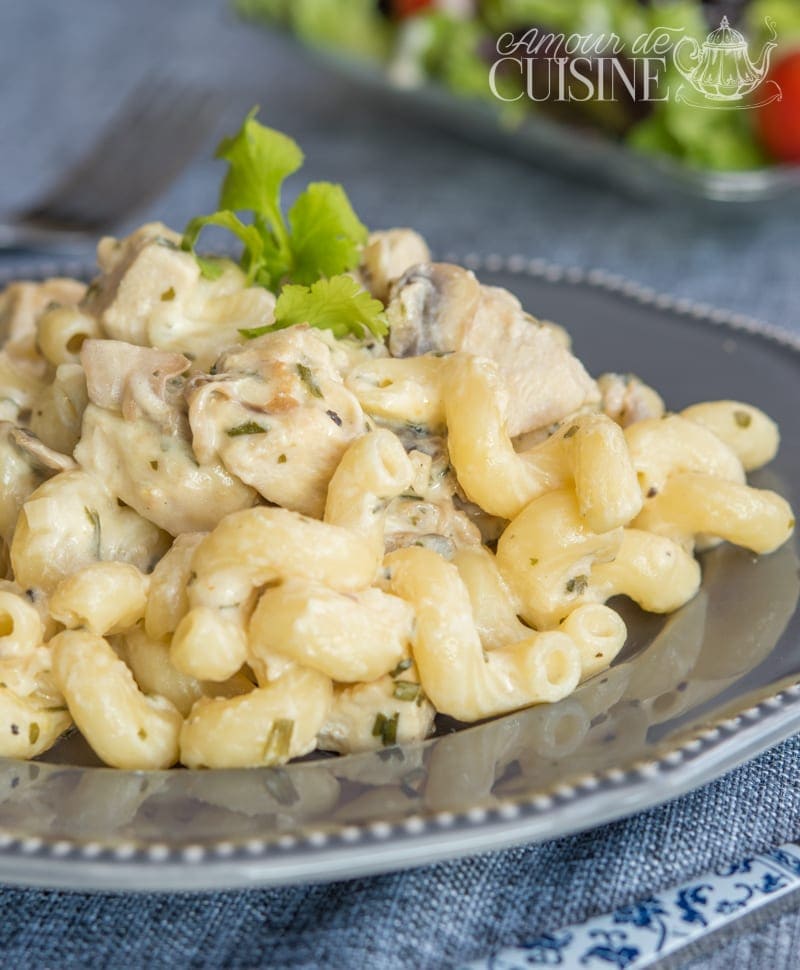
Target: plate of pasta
<point>391,566</point>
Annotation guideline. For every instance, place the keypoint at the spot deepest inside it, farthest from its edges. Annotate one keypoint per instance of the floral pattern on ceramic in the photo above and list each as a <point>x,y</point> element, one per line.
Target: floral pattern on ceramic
<point>638,935</point>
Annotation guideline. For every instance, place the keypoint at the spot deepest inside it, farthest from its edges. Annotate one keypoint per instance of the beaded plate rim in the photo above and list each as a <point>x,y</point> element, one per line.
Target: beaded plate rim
<point>316,854</point>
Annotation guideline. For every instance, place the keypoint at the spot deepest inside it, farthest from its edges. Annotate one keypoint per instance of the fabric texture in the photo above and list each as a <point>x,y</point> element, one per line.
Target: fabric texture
<point>64,69</point>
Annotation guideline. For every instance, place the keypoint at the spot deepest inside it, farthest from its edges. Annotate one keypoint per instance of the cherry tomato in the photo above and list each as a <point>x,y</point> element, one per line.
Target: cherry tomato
<point>779,121</point>
<point>407,8</point>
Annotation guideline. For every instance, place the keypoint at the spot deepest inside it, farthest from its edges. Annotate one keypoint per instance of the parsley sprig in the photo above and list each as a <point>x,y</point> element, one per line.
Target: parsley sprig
<point>301,256</point>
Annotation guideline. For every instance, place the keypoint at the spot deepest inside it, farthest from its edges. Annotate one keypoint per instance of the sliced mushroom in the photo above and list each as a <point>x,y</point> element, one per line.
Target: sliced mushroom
<point>137,381</point>
<point>39,455</point>
<point>430,307</point>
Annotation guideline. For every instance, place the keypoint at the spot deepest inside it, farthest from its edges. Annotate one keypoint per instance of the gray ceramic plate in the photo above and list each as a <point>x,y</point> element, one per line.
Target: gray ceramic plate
<point>690,698</point>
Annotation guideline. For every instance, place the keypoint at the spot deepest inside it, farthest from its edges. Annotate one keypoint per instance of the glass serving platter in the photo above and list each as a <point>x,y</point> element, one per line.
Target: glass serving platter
<point>565,148</point>
<point>691,696</point>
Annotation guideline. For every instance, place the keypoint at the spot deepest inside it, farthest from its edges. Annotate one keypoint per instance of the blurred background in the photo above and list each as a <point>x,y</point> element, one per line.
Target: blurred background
<point>67,68</point>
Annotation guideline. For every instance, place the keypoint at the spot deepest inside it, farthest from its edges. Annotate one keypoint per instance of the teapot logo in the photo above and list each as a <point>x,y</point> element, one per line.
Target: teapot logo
<point>721,71</point>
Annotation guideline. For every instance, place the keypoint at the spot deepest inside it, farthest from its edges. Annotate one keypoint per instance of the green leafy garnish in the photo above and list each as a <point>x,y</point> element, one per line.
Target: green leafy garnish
<point>326,235</point>
<point>321,236</point>
<point>742,418</point>
<point>337,304</point>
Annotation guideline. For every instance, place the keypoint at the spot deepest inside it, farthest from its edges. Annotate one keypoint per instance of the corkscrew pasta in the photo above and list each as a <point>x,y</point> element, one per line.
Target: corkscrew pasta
<point>229,546</point>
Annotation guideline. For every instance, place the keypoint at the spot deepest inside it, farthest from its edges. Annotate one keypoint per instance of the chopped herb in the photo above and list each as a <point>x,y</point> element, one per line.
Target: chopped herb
<point>652,491</point>
<point>141,733</point>
<point>168,295</point>
<point>249,427</point>
<point>276,749</point>
<point>281,459</point>
<point>154,464</point>
<point>94,518</point>
<point>533,561</point>
<point>15,729</point>
<point>164,242</point>
<point>335,418</point>
<point>742,418</point>
<point>31,594</point>
<point>307,377</point>
<point>57,710</point>
<point>571,431</point>
<point>280,786</point>
<point>406,690</point>
<point>385,728</point>
<point>578,585</point>
<point>385,383</point>
<point>402,666</point>
<point>33,732</point>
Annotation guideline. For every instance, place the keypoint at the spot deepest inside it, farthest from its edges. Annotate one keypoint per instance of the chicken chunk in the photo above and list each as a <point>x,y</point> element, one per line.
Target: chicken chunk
<point>73,520</point>
<point>136,437</point>
<point>440,308</point>
<point>157,473</point>
<point>278,416</point>
<point>152,293</point>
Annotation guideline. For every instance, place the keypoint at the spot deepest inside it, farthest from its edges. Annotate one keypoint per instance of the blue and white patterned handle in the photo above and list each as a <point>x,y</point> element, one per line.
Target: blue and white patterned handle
<point>638,935</point>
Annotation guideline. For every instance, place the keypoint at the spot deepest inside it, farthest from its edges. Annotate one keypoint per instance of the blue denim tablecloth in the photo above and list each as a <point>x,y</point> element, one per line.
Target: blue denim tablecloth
<point>64,68</point>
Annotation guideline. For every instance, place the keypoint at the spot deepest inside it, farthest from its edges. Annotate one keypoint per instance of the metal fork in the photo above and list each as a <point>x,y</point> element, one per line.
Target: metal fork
<point>160,126</point>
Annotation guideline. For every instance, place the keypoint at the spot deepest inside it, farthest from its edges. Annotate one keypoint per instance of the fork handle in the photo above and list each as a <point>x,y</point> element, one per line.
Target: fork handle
<point>38,239</point>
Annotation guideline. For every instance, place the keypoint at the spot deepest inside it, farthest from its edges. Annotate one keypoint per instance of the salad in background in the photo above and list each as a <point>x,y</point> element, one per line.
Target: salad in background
<point>453,43</point>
